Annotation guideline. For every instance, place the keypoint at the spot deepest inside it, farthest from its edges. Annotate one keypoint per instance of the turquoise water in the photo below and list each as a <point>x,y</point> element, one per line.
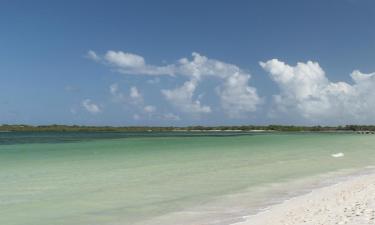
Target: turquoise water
<point>120,178</point>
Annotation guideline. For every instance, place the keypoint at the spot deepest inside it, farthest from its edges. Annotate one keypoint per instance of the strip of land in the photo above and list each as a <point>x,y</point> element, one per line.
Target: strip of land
<point>242,128</point>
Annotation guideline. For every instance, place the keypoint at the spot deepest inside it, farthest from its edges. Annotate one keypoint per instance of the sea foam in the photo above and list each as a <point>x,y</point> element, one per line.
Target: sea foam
<point>338,155</point>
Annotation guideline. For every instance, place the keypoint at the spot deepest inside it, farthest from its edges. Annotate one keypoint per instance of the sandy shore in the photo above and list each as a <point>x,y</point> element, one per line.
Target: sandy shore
<point>350,202</point>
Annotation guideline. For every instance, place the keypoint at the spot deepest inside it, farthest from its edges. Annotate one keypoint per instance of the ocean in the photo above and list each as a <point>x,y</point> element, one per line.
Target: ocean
<point>173,178</point>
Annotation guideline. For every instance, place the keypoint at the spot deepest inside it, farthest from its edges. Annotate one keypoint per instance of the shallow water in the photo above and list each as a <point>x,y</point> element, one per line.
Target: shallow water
<point>148,178</point>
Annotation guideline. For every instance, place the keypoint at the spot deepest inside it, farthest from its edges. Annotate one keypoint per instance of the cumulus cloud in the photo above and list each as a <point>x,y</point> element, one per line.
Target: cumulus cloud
<point>237,97</point>
<point>182,98</point>
<point>134,98</point>
<point>90,106</point>
<point>125,60</point>
<point>135,95</point>
<point>306,91</point>
<point>130,63</point>
<point>244,99</point>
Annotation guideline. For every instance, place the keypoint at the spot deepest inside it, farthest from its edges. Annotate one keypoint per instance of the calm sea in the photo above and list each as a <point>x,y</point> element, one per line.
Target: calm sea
<point>176,178</point>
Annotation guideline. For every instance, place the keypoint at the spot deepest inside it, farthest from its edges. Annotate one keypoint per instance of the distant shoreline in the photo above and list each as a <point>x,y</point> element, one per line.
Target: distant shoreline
<point>239,128</point>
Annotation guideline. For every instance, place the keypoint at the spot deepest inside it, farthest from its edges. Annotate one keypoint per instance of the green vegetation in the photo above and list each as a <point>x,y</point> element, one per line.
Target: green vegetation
<point>76,128</point>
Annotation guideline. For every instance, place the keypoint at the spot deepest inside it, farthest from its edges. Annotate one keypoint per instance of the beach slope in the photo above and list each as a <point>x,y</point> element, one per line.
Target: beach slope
<point>350,202</point>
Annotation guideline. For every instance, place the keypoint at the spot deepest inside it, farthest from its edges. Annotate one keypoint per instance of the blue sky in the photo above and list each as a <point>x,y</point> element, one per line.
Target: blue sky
<point>187,62</point>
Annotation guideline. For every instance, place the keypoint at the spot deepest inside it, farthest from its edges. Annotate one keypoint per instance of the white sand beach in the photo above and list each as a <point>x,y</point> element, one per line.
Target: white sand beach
<point>350,202</point>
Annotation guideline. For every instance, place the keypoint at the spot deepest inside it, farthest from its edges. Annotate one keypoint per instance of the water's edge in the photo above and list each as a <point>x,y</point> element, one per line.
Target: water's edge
<point>328,180</point>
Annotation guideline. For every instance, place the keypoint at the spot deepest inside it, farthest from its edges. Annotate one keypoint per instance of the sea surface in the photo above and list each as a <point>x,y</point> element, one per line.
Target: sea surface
<point>175,178</point>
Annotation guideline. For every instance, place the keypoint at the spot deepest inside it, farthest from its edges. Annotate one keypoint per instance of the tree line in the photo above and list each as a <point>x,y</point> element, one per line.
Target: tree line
<point>78,128</point>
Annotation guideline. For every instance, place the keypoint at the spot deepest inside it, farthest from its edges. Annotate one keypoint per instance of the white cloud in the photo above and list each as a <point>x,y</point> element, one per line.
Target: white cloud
<point>91,107</point>
<point>244,99</point>
<point>305,91</point>
<point>135,95</point>
<point>124,60</point>
<point>237,97</point>
<point>130,63</point>
<point>134,98</point>
<point>93,56</point>
<point>182,98</point>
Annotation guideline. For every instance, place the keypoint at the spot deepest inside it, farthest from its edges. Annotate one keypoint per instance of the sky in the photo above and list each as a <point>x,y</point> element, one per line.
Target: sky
<point>177,63</point>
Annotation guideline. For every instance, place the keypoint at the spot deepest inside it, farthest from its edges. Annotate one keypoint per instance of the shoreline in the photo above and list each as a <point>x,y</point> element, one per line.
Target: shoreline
<point>234,208</point>
<point>350,202</point>
<point>366,129</point>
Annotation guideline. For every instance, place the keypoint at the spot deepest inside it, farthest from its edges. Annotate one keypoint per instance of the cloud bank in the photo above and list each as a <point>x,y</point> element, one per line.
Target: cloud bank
<point>305,91</point>
<point>236,96</point>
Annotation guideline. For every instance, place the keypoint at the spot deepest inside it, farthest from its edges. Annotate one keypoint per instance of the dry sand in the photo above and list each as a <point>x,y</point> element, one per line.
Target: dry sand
<point>350,202</point>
